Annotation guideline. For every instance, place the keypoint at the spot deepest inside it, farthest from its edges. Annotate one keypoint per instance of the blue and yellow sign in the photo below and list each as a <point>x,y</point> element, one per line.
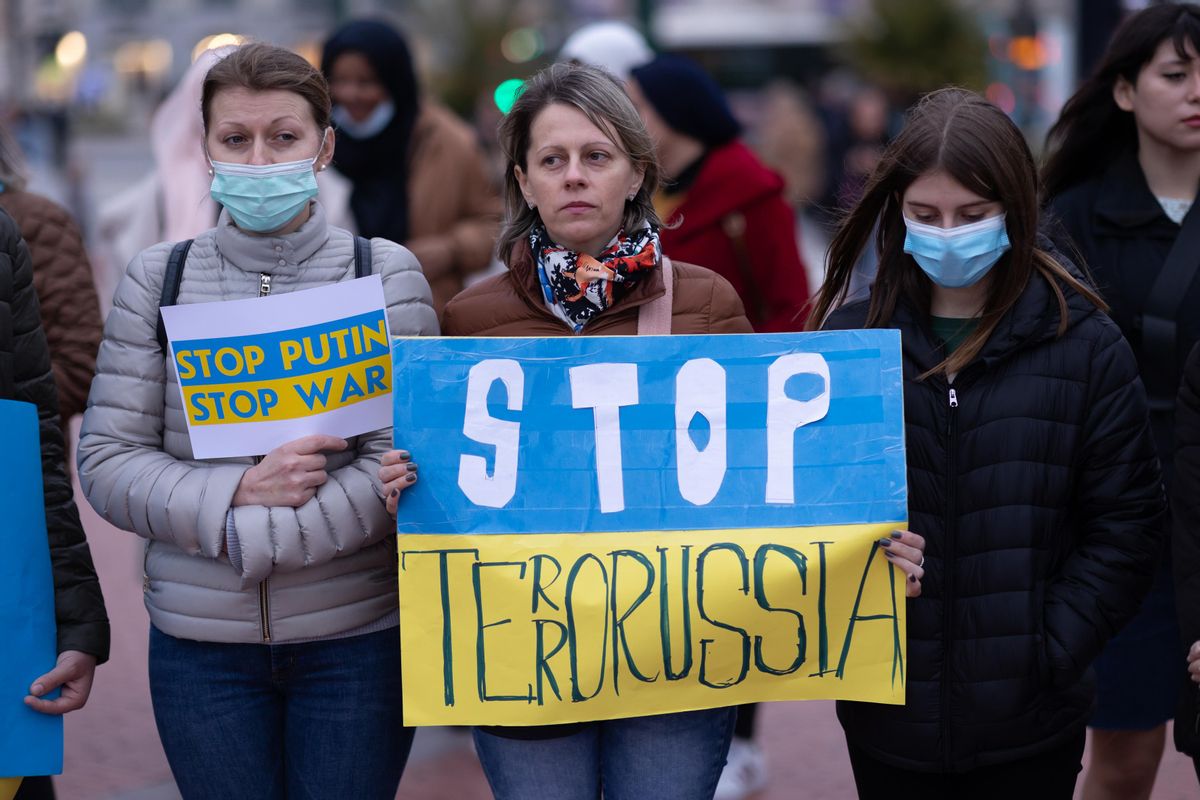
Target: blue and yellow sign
<point>609,527</point>
<point>256,373</point>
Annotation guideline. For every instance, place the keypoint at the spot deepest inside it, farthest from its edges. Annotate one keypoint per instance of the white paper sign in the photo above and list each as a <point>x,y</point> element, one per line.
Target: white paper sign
<point>256,373</point>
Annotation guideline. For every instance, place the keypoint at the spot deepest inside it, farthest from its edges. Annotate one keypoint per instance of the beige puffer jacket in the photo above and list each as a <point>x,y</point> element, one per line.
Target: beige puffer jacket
<point>317,570</point>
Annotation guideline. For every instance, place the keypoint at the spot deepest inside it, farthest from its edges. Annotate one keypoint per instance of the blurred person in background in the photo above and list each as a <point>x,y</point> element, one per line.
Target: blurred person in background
<point>62,277</point>
<point>611,45</point>
<point>419,176</point>
<point>172,202</point>
<point>720,206</point>
<point>26,375</point>
<point>582,244</point>
<point>1122,172</point>
<point>1032,473</point>
<point>792,142</point>
<point>274,658</point>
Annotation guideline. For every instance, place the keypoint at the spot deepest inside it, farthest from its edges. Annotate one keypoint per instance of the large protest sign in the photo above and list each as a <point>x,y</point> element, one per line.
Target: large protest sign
<point>256,373</point>
<point>30,743</point>
<point>608,527</point>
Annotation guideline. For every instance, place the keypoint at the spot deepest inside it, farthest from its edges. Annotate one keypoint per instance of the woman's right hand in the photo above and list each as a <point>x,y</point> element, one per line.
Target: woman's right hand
<point>1193,659</point>
<point>288,475</point>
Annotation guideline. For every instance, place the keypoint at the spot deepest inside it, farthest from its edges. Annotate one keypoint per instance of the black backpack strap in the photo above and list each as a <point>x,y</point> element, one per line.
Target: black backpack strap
<point>362,257</point>
<point>1159,353</point>
<point>172,278</point>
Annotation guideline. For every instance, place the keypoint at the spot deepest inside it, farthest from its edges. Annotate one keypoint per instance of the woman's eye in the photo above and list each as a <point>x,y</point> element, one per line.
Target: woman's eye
<point>234,140</point>
<point>926,218</point>
<point>597,155</point>
<point>1174,76</point>
<point>551,161</point>
<point>287,137</point>
<point>972,217</point>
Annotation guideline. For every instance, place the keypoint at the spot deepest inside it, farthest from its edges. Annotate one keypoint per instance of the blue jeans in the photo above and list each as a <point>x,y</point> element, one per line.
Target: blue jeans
<point>316,720</point>
<point>666,757</point>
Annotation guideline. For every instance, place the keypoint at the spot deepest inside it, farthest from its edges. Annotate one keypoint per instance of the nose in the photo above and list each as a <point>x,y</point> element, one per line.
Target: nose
<point>258,154</point>
<point>574,174</point>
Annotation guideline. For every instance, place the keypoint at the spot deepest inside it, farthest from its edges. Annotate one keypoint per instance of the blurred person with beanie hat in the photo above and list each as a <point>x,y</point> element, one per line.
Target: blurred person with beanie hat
<point>418,173</point>
<point>615,46</point>
<point>722,207</point>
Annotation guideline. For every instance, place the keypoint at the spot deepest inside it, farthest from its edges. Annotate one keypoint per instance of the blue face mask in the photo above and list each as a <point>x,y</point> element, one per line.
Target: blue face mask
<point>957,257</point>
<point>264,198</point>
<point>373,125</point>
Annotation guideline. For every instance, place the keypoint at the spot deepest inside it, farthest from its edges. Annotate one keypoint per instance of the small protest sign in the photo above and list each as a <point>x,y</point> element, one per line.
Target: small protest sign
<point>256,373</point>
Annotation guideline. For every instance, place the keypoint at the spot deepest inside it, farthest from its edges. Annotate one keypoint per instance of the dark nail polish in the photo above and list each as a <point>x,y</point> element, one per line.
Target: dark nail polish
<point>410,478</point>
<point>885,542</point>
<point>395,493</point>
<point>897,534</point>
<point>411,467</point>
<point>405,455</point>
<point>912,578</point>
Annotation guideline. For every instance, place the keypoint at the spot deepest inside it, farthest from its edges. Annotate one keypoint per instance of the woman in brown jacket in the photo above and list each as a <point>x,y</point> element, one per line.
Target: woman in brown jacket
<point>581,241</point>
<point>418,173</point>
<point>62,278</point>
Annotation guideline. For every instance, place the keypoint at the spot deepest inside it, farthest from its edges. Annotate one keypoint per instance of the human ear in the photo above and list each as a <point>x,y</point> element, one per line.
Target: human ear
<point>523,182</point>
<point>1123,93</point>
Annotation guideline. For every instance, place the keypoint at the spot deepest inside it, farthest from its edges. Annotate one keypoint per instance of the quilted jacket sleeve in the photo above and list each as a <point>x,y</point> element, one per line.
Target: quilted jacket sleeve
<point>347,513</point>
<point>78,603</point>
<point>67,296</point>
<point>1121,509</point>
<point>124,472</point>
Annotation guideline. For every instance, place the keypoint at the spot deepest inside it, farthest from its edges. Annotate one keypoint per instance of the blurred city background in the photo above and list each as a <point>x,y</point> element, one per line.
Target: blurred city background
<point>820,86</point>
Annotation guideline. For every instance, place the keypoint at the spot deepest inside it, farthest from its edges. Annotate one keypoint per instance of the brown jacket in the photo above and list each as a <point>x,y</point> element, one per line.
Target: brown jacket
<point>511,304</point>
<point>454,211</point>
<point>62,278</point>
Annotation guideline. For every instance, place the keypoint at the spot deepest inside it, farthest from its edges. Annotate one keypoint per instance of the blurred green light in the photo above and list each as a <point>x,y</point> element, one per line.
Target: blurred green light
<point>507,93</point>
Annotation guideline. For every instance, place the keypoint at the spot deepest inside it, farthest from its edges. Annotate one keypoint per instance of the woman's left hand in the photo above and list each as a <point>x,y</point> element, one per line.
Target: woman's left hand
<point>398,472</point>
<point>906,550</point>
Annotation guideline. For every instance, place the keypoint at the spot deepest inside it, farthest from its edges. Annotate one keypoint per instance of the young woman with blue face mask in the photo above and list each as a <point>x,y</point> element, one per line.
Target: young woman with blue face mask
<point>1031,472</point>
<point>270,582</point>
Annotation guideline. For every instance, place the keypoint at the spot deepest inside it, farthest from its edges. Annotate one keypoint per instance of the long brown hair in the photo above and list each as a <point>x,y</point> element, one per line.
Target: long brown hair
<point>975,143</point>
<point>604,102</point>
<point>1092,130</point>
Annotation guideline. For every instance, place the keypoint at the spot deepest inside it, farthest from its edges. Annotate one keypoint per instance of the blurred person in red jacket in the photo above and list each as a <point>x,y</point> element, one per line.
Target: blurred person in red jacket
<point>722,208</point>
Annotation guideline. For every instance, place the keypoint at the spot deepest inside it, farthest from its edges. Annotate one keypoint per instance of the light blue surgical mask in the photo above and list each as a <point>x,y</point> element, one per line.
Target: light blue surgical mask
<point>960,256</point>
<point>265,197</point>
<point>373,125</point>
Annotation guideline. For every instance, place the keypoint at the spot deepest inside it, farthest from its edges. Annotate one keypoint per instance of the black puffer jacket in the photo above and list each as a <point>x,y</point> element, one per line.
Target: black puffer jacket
<point>1185,541</point>
<point>1117,226</point>
<point>1034,481</point>
<point>25,375</point>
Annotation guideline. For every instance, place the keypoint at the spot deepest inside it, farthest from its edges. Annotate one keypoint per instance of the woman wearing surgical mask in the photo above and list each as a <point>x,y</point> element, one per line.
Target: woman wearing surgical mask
<point>1122,173</point>
<point>270,582</point>
<point>419,176</point>
<point>1031,470</point>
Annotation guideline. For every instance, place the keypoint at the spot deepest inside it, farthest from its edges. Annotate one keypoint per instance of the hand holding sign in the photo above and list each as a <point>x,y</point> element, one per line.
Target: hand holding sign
<point>398,472</point>
<point>906,550</point>
<point>74,673</point>
<point>289,475</point>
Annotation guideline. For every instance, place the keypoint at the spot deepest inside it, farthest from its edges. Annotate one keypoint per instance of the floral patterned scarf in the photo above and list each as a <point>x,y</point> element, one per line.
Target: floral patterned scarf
<point>577,286</point>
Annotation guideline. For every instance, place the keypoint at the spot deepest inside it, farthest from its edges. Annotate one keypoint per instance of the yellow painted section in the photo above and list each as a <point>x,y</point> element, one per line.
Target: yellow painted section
<point>8,787</point>
<point>283,398</point>
<point>504,629</point>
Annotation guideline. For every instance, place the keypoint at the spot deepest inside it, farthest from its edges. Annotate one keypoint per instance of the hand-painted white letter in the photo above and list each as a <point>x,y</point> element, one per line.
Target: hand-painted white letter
<point>700,389</point>
<point>785,415</point>
<point>605,388</point>
<point>495,490</point>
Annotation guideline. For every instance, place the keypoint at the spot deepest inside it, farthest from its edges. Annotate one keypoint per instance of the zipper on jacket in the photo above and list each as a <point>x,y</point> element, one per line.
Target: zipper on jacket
<point>948,571</point>
<point>264,588</point>
<point>264,609</point>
